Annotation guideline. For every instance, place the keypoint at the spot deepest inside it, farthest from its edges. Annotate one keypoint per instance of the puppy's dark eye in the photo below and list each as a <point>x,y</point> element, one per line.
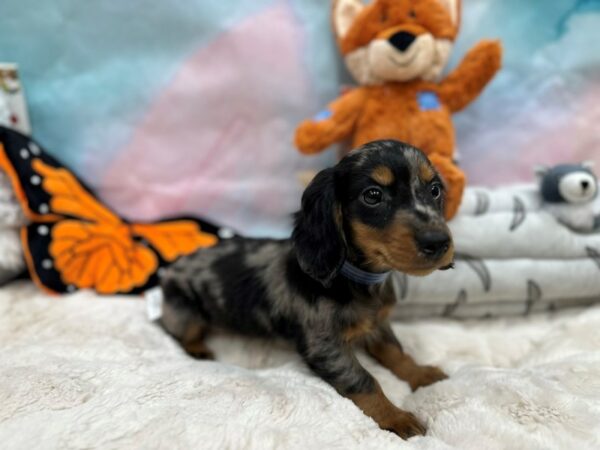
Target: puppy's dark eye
<point>412,14</point>
<point>436,191</point>
<point>373,196</point>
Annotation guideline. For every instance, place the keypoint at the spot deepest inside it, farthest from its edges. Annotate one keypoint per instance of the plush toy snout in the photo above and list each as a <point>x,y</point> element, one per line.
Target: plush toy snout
<point>402,40</point>
<point>406,55</point>
<point>578,187</point>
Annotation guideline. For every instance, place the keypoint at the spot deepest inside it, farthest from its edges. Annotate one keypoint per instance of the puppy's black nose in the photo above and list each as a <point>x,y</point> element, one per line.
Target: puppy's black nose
<point>433,243</point>
<point>402,40</point>
<point>585,185</point>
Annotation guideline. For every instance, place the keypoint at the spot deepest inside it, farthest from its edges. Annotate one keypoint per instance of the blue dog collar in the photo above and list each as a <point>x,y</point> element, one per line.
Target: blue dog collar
<point>360,276</point>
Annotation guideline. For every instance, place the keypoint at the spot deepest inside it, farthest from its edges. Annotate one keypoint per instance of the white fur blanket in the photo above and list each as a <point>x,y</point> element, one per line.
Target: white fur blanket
<point>85,372</point>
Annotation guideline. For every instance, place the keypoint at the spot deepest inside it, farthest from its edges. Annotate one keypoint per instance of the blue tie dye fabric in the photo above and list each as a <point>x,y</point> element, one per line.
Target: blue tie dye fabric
<point>170,107</point>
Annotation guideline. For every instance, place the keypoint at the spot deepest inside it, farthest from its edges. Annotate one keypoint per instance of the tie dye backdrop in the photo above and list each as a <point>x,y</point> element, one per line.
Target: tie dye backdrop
<point>190,106</point>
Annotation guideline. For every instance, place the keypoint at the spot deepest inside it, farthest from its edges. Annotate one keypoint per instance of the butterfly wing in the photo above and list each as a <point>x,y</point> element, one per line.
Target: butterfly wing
<point>36,238</point>
<point>69,198</point>
<point>17,154</point>
<point>169,239</point>
<point>76,242</point>
<point>101,257</point>
<point>176,238</point>
<point>68,255</point>
<point>74,255</point>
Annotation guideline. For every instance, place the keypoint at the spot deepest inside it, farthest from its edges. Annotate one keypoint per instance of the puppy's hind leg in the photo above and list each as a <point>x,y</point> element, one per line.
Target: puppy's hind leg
<point>185,325</point>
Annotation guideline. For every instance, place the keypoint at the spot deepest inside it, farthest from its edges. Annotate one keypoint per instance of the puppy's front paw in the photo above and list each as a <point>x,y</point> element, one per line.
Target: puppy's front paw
<point>405,425</point>
<point>426,375</point>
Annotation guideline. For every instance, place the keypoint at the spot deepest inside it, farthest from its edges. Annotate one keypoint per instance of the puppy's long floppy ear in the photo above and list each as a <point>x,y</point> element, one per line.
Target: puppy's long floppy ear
<point>318,237</point>
<point>344,13</point>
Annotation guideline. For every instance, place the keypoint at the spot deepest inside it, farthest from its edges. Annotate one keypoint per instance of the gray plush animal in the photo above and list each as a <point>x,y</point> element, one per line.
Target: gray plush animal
<point>568,192</point>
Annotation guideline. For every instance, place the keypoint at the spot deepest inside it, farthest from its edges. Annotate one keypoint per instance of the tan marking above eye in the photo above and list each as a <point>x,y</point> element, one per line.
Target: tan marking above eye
<point>426,173</point>
<point>383,175</point>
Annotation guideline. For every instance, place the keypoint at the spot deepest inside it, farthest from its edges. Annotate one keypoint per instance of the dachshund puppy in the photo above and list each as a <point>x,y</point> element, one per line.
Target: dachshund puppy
<point>326,290</point>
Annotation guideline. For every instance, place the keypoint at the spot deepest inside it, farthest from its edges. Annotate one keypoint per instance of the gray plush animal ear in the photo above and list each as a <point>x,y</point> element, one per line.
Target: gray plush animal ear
<point>589,165</point>
<point>540,171</point>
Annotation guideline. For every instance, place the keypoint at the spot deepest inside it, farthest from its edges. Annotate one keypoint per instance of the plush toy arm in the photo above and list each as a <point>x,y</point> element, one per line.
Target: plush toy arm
<point>331,125</point>
<point>476,70</point>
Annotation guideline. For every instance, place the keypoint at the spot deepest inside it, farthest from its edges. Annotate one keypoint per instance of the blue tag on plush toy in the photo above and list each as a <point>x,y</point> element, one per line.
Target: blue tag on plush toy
<point>428,101</point>
<point>323,115</point>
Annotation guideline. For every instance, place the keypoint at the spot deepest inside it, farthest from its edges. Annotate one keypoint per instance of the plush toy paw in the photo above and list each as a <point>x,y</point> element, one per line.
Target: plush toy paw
<point>309,137</point>
<point>491,52</point>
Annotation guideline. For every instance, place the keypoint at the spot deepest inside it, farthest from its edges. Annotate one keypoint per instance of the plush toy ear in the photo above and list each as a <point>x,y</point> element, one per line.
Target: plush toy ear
<point>540,171</point>
<point>318,237</point>
<point>589,165</point>
<point>454,8</point>
<point>344,13</point>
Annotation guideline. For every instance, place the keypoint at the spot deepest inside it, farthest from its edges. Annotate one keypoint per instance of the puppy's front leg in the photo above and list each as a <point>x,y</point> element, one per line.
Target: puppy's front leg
<point>334,361</point>
<point>385,348</point>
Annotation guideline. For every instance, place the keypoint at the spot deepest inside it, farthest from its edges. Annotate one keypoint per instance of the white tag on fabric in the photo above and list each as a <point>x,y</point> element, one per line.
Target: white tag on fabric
<point>154,301</point>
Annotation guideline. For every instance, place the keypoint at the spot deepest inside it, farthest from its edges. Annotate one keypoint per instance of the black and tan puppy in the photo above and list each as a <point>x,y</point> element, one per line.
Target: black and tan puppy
<point>325,290</point>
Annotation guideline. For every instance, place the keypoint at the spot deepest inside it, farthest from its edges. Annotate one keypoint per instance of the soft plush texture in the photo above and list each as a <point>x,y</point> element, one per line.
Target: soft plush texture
<point>84,372</point>
<point>404,99</point>
<point>12,262</point>
<point>512,257</point>
<point>13,113</point>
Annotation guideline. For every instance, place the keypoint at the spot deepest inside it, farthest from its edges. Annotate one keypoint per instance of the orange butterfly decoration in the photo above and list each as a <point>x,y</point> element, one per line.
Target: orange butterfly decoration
<point>76,242</point>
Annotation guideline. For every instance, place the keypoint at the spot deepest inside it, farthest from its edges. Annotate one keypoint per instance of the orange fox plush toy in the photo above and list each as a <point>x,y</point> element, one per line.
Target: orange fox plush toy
<point>396,50</point>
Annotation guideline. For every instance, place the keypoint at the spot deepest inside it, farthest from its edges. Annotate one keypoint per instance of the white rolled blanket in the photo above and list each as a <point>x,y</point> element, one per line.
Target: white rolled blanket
<point>513,257</point>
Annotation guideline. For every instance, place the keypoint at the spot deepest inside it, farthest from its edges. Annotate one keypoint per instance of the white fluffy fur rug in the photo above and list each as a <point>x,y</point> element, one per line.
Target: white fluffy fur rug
<point>84,372</point>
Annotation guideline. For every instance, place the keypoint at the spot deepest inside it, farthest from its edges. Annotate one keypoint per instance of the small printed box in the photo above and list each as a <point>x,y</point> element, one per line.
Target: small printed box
<point>13,109</point>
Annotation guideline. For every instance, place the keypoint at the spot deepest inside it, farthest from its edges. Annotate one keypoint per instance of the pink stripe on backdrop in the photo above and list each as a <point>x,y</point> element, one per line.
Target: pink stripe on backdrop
<point>215,142</point>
